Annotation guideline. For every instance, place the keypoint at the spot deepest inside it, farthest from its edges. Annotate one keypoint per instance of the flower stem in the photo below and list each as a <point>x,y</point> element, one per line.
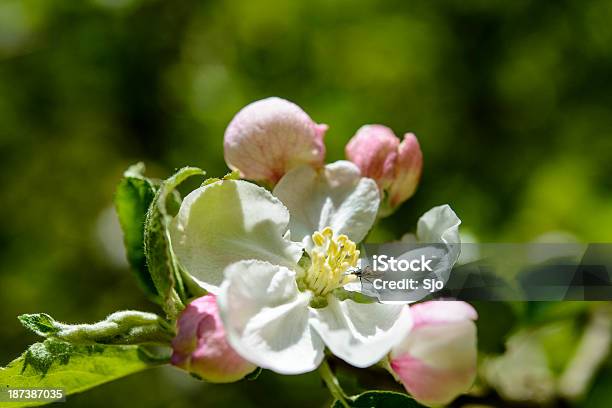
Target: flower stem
<point>332,384</point>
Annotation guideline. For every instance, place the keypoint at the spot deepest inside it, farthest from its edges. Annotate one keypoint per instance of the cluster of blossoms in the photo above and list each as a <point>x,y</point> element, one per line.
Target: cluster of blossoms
<point>274,263</point>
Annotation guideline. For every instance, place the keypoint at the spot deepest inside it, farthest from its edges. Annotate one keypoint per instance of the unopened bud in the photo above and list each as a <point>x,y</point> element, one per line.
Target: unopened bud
<point>396,167</point>
<point>436,361</point>
<point>201,348</point>
<point>271,136</point>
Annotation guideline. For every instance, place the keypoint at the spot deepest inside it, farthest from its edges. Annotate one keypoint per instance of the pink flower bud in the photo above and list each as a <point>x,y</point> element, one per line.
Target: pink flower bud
<point>408,167</point>
<point>201,348</point>
<point>269,137</point>
<point>437,360</point>
<point>395,166</point>
<point>374,150</point>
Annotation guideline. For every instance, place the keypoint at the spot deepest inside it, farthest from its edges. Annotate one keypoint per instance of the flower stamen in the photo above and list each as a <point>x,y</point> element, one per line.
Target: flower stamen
<point>331,257</point>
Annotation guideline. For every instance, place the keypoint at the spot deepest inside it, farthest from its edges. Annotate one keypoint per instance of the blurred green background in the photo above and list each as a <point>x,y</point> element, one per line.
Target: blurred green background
<point>511,101</point>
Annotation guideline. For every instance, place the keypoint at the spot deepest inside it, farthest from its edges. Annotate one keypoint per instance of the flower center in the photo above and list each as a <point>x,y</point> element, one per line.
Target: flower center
<point>331,258</point>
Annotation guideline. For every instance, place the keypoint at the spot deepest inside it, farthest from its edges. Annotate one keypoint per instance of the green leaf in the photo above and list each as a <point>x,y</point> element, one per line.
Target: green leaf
<point>40,323</point>
<point>125,327</point>
<point>163,267</point>
<point>132,200</point>
<point>380,399</point>
<point>56,364</point>
<point>234,175</point>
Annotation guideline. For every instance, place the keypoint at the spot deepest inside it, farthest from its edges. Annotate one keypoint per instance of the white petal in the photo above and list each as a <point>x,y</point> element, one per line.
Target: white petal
<point>443,335</point>
<point>440,225</point>
<point>229,221</point>
<point>361,334</point>
<point>266,318</point>
<point>442,312</point>
<point>336,197</point>
<point>450,346</point>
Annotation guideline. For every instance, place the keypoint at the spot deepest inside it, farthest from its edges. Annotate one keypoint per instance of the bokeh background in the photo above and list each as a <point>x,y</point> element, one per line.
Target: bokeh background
<point>511,101</point>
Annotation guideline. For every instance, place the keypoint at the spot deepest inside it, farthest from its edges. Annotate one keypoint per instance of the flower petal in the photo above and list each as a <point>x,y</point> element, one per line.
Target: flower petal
<point>336,197</point>
<point>408,168</point>
<point>374,150</point>
<point>431,385</point>
<point>229,221</point>
<point>201,346</point>
<point>440,225</point>
<point>269,137</point>
<point>266,318</point>
<point>443,334</point>
<point>437,360</point>
<point>440,312</point>
<point>361,333</point>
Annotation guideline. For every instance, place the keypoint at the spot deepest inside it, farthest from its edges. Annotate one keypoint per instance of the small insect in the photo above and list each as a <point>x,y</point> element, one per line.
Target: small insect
<point>366,273</point>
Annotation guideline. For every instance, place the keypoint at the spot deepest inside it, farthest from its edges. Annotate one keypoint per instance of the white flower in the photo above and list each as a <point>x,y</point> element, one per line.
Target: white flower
<point>278,297</point>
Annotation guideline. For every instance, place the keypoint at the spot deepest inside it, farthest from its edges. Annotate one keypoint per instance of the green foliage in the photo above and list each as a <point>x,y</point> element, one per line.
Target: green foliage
<point>600,396</point>
<point>163,267</point>
<point>75,368</point>
<point>380,399</point>
<point>514,122</point>
<point>86,349</point>
<point>40,323</point>
<point>546,312</point>
<point>125,327</point>
<point>234,175</point>
<point>132,200</point>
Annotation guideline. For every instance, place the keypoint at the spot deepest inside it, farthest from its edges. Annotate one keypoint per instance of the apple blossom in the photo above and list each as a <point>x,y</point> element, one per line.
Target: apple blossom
<point>436,361</point>
<point>278,261</point>
<point>271,136</point>
<point>395,166</point>
<point>201,346</point>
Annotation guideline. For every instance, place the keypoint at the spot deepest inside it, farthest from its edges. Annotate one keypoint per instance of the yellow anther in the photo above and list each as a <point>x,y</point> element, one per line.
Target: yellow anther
<point>327,232</point>
<point>318,239</point>
<point>330,259</point>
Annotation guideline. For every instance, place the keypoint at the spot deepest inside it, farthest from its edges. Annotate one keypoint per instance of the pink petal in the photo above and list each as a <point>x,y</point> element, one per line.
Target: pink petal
<point>269,137</point>
<point>374,150</point>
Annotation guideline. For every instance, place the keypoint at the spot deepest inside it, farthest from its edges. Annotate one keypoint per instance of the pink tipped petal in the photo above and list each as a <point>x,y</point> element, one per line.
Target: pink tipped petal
<point>418,379</point>
<point>407,170</point>
<point>269,137</point>
<point>396,167</point>
<point>374,150</point>
<point>446,311</point>
<point>201,348</point>
<point>186,340</point>
<point>436,361</point>
<point>320,130</point>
